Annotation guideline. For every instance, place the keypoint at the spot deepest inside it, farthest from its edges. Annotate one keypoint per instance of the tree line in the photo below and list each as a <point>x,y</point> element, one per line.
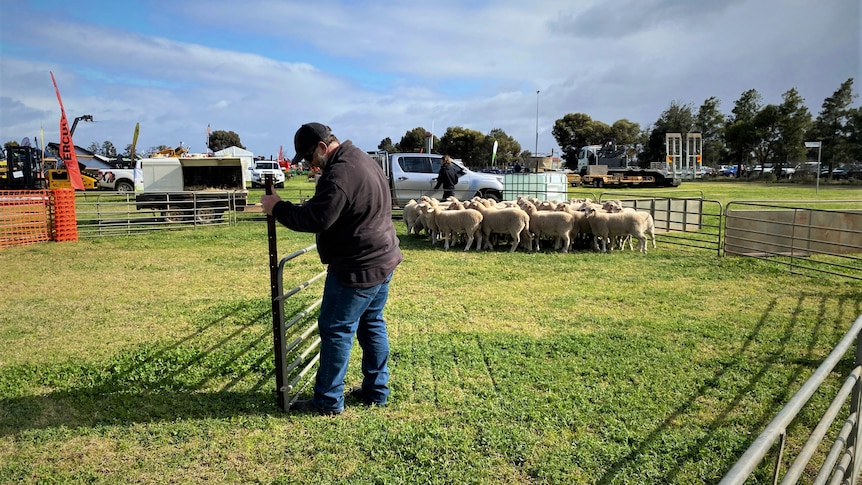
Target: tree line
<point>753,133</point>
<point>218,140</point>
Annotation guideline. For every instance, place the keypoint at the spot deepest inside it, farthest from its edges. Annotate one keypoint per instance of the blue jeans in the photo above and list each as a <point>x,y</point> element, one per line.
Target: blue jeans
<point>346,311</point>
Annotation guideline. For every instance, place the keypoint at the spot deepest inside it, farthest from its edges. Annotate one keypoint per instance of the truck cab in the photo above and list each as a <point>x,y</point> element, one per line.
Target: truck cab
<point>606,165</point>
<point>261,169</point>
<point>608,155</point>
<point>412,175</point>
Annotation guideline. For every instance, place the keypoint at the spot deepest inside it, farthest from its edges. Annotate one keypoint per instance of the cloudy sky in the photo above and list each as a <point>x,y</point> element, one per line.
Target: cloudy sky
<point>373,69</point>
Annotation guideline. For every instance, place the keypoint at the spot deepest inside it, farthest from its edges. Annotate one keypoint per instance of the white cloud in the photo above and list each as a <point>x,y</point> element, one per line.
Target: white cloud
<point>378,69</point>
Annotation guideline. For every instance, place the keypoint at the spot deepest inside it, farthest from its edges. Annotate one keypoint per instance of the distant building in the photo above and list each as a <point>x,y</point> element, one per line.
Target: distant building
<point>246,156</point>
<point>85,157</point>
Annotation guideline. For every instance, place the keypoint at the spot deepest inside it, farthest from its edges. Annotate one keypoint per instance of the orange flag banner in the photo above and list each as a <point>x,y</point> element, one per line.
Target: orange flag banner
<point>67,146</point>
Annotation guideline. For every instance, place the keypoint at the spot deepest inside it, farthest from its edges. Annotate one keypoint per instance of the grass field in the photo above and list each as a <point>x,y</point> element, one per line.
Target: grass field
<point>148,359</point>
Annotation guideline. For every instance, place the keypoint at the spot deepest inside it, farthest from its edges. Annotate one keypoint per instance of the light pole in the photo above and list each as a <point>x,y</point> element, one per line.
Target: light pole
<point>815,144</point>
<point>536,153</point>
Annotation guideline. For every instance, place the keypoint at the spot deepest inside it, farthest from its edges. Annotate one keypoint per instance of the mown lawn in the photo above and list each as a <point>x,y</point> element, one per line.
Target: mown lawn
<point>148,359</point>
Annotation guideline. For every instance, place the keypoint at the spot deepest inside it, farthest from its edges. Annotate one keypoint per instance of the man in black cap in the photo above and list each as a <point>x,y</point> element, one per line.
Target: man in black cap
<point>351,214</point>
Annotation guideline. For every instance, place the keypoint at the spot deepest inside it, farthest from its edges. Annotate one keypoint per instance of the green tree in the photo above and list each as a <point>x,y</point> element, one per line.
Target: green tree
<point>767,131</point>
<point>833,125</point>
<point>625,132</point>
<point>794,122</point>
<point>221,139</point>
<point>94,147</point>
<point>854,133</point>
<point>627,135</point>
<point>108,149</point>
<point>740,132</point>
<point>413,141</point>
<point>710,122</point>
<point>465,144</point>
<point>386,145</point>
<point>677,118</point>
<point>576,130</point>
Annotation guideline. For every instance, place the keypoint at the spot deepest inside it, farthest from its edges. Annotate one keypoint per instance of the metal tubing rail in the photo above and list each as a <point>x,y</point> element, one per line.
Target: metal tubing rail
<point>116,213</point>
<point>813,442</point>
<point>776,429</point>
<point>682,221</point>
<point>283,370</point>
<point>839,447</point>
<point>797,233</point>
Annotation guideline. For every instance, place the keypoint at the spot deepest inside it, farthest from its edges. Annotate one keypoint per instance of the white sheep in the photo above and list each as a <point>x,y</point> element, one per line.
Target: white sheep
<point>557,225</point>
<point>606,225</point>
<point>580,226</point>
<point>411,216</point>
<point>452,222</point>
<point>617,206</point>
<point>425,218</point>
<point>510,221</point>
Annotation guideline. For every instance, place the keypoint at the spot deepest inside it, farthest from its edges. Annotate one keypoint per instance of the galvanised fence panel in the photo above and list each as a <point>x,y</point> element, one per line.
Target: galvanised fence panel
<point>118,213</point>
<point>809,237</point>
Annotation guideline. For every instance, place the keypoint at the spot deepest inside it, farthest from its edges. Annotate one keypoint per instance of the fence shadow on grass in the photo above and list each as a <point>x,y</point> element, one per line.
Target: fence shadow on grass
<point>803,366</point>
<point>220,370</point>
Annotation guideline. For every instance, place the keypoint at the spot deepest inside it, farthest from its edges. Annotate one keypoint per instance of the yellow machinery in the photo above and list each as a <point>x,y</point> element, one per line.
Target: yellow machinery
<point>59,178</point>
<point>23,170</point>
<point>170,152</point>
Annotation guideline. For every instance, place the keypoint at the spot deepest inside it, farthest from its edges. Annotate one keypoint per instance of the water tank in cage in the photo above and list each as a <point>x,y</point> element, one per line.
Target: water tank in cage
<point>543,186</point>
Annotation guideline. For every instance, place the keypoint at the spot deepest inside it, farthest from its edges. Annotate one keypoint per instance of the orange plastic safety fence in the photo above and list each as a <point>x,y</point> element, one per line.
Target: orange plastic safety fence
<point>65,222</point>
<point>34,216</point>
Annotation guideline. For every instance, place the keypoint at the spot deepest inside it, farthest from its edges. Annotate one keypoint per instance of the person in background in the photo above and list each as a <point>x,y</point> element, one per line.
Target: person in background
<point>351,214</point>
<point>447,177</point>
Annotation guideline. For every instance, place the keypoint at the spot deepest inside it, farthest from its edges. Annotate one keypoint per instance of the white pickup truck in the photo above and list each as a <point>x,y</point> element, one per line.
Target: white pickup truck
<point>117,179</point>
<point>412,175</point>
<point>261,169</point>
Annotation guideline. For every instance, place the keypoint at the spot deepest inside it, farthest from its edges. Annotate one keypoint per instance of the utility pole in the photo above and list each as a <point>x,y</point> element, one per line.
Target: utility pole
<point>536,153</point>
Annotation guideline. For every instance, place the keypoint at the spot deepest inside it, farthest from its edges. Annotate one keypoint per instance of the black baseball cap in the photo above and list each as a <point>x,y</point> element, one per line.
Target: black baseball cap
<point>306,137</point>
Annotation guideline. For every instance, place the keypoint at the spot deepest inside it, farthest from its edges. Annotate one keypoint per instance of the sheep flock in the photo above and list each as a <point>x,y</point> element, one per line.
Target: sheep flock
<point>530,224</point>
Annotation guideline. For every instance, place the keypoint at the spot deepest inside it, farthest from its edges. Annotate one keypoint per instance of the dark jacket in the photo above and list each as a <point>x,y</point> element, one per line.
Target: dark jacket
<point>447,177</point>
<point>351,213</point>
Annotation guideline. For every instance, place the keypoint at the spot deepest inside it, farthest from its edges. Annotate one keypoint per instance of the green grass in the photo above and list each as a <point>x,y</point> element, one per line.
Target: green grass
<point>148,359</point>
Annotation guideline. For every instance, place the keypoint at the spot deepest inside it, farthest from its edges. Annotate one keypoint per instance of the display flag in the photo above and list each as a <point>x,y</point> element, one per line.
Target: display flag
<point>134,143</point>
<point>67,146</point>
<point>494,153</point>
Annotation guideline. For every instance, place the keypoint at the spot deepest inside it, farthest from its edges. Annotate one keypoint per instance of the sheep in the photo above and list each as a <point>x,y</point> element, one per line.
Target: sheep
<point>580,226</point>
<point>617,206</point>
<point>449,223</point>
<point>547,205</point>
<point>425,218</point>
<point>511,221</point>
<point>506,204</point>
<point>607,224</point>
<point>551,224</point>
<point>454,204</point>
<point>411,215</point>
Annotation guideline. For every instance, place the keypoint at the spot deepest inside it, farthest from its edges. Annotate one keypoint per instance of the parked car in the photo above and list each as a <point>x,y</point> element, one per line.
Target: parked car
<point>838,173</point>
<point>727,170</point>
<point>415,174</point>
<point>263,168</point>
